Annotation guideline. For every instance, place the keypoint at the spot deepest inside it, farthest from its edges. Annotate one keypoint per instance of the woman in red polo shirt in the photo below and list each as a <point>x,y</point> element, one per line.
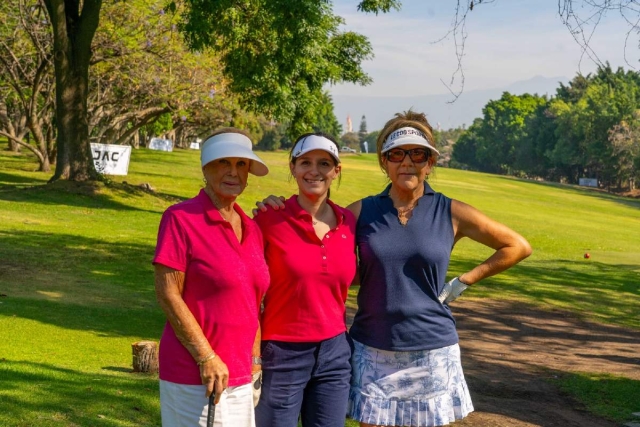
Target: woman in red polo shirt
<point>210,278</point>
<point>310,251</point>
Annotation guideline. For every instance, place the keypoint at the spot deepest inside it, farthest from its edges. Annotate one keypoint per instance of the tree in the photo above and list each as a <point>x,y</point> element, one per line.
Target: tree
<point>371,139</point>
<point>362,133</point>
<point>503,130</point>
<point>325,119</point>
<point>585,121</point>
<point>350,139</point>
<point>278,55</point>
<point>532,154</point>
<point>625,140</point>
<point>141,71</point>
<point>74,24</point>
<point>26,84</point>
<point>445,141</point>
<point>466,148</point>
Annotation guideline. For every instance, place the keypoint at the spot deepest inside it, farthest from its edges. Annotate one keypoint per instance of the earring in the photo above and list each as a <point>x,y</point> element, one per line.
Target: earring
<point>204,180</point>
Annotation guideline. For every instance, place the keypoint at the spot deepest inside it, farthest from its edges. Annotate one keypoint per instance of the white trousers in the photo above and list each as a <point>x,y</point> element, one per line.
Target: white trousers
<point>186,406</point>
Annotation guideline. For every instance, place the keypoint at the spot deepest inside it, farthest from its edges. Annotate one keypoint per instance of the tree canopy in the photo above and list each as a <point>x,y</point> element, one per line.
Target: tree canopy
<point>279,54</point>
<point>269,58</point>
<point>586,131</point>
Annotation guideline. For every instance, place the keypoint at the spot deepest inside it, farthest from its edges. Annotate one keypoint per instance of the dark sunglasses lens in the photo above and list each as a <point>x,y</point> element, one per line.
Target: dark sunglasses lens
<point>419,155</point>
<point>395,155</point>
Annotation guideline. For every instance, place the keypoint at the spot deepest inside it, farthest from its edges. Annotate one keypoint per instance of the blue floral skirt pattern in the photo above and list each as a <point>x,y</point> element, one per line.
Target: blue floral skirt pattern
<point>408,388</point>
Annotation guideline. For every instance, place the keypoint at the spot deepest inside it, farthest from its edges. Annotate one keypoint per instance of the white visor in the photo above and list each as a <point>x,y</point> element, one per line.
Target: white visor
<point>232,144</point>
<point>315,142</point>
<point>406,136</point>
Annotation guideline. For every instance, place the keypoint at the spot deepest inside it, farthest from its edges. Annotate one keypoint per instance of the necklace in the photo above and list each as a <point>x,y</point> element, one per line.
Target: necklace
<point>315,220</point>
<point>403,213</point>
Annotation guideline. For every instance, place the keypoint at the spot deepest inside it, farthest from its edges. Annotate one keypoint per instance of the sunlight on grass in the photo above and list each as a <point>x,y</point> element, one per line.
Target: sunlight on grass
<point>609,396</point>
<point>77,275</point>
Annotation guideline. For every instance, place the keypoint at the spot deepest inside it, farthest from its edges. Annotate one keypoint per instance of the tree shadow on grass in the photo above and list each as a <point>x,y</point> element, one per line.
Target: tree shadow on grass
<point>79,283</point>
<point>46,395</point>
<point>105,321</point>
<point>8,180</point>
<point>609,291</point>
<point>91,194</point>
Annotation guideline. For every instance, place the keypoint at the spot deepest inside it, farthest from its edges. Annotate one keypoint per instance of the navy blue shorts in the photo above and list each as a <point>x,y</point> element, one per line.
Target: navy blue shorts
<point>310,380</point>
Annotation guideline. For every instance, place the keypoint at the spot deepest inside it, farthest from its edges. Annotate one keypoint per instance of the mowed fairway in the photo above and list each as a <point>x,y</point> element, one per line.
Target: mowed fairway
<point>76,280</point>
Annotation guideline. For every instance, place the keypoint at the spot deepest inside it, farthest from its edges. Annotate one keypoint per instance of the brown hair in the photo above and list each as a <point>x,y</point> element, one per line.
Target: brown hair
<point>407,119</point>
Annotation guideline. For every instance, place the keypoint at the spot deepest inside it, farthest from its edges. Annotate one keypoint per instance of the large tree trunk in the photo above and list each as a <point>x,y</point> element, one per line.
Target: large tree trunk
<point>13,146</point>
<point>73,31</point>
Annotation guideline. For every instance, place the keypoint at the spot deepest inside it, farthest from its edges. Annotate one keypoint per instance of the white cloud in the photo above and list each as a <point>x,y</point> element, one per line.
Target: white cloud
<point>508,41</point>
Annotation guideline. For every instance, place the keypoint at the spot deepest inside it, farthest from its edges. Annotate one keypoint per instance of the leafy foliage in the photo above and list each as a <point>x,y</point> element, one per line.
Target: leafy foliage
<point>279,54</point>
<point>26,79</point>
<point>587,130</point>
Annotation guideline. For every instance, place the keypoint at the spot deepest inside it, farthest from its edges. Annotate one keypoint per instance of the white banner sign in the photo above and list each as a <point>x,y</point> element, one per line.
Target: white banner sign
<point>111,159</point>
<point>161,144</point>
<point>195,146</point>
<point>588,182</point>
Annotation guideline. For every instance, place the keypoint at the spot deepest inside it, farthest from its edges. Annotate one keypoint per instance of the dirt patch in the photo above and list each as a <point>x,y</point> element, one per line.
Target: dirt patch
<point>511,350</point>
<point>631,193</point>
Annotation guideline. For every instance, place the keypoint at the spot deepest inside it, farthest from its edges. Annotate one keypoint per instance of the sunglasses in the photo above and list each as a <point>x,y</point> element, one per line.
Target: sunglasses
<point>417,155</point>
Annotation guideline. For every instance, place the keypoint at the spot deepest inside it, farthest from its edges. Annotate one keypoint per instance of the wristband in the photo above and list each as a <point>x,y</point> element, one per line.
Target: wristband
<point>206,359</point>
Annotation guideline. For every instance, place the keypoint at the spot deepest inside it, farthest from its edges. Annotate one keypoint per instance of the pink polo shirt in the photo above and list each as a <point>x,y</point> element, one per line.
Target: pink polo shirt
<point>309,276</point>
<point>224,284</point>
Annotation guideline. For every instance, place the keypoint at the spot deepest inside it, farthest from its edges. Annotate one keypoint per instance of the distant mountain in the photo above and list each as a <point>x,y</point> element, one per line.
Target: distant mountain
<point>437,107</point>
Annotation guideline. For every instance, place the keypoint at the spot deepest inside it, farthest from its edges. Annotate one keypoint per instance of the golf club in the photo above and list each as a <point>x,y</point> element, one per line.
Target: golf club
<point>211,412</point>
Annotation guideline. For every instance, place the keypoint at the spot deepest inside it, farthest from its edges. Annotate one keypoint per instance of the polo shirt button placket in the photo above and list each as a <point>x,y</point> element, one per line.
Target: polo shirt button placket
<point>325,267</point>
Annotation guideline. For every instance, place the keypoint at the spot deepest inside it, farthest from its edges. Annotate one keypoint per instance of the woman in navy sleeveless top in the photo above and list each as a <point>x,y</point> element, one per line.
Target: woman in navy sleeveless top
<point>406,368</point>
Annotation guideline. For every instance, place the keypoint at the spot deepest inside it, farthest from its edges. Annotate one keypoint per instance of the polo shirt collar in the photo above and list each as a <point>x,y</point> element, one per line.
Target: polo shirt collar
<point>296,210</point>
<point>427,190</point>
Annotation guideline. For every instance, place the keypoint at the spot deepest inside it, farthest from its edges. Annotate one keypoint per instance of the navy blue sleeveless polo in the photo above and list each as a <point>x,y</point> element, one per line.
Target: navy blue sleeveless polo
<point>402,271</point>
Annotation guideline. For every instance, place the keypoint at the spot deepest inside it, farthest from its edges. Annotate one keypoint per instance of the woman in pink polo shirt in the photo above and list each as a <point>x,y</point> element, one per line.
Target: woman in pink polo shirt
<point>310,250</point>
<point>210,276</point>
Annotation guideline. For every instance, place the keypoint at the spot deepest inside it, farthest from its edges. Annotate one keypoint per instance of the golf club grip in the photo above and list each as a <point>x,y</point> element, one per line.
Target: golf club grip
<point>211,412</point>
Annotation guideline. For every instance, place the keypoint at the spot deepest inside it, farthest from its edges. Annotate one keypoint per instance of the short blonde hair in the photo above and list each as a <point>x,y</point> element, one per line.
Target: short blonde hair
<point>407,119</point>
<point>230,130</point>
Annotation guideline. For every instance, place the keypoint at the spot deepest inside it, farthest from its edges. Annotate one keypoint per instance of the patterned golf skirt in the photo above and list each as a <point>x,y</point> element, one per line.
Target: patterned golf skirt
<point>408,388</point>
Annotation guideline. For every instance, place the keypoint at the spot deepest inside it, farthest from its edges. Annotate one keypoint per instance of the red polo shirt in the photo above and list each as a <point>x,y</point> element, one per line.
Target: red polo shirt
<point>309,276</point>
<point>224,284</point>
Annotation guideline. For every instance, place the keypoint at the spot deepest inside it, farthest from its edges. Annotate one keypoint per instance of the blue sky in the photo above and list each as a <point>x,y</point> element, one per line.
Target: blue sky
<point>508,41</point>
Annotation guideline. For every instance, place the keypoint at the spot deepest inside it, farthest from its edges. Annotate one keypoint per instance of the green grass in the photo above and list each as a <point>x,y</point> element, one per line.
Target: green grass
<point>75,269</point>
<point>610,396</point>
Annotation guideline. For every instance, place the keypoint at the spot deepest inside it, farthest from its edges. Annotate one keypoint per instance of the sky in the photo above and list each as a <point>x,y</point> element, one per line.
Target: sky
<point>507,41</point>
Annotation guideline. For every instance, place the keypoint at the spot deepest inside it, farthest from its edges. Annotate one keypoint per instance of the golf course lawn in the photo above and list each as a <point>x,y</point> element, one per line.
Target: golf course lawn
<point>76,280</point>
